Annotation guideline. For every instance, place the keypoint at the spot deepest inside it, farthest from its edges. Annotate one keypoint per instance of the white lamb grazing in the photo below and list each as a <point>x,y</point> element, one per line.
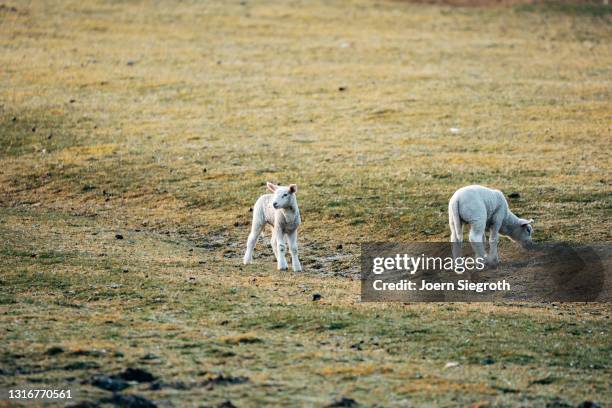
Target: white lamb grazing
<point>280,210</point>
<point>484,208</point>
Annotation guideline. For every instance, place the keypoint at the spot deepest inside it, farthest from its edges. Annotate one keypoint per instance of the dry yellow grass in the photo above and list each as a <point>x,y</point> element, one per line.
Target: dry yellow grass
<point>161,122</point>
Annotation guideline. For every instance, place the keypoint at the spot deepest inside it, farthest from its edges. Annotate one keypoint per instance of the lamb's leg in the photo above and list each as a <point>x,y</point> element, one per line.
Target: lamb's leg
<point>493,258</point>
<point>252,240</point>
<point>281,247</point>
<point>484,240</point>
<point>293,246</point>
<point>456,237</point>
<point>273,244</point>
<point>476,234</point>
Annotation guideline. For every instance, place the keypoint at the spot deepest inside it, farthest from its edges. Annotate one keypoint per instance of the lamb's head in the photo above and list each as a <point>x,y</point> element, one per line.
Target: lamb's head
<point>521,232</point>
<point>284,197</point>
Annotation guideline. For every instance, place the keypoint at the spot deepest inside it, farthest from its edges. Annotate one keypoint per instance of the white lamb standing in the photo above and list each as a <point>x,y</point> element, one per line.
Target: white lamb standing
<point>280,210</point>
<point>484,208</point>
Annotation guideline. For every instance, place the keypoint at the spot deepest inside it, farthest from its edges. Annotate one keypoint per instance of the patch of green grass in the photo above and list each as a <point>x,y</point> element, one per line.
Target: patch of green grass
<point>34,132</point>
<point>592,9</point>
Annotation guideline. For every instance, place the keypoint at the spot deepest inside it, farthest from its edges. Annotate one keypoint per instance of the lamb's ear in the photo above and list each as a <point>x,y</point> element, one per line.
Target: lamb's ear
<point>524,223</point>
<point>271,187</point>
<point>293,188</point>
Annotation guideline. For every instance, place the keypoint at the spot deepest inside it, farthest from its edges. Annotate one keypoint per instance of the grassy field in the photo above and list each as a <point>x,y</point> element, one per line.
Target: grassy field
<point>135,137</point>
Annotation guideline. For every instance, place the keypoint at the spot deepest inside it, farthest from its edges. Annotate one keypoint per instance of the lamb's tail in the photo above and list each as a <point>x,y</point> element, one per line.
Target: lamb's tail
<point>454,220</point>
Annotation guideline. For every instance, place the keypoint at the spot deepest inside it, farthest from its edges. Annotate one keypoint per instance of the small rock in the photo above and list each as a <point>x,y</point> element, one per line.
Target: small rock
<point>94,353</point>
<point>506,390</point>
<point>136,374</point>
<point>131,63</point>
<point>108,383</point>
<point>128,401</point>
<point>156,386</point>
<point>542,381</point>
<point>84,404</point>
<point>53,351</point>
<point>118,236</point>
<point>149,356</point>
<point>82,365</point>
<point>316,297</point>
<point>317,266</point>
<point>344,402</point>
<point>588,404</point>
<point>451,364</point>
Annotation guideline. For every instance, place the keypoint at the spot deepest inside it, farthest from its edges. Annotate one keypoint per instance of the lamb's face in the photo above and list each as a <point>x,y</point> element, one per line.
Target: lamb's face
<point>284,197</point>
<point>522,233</point>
